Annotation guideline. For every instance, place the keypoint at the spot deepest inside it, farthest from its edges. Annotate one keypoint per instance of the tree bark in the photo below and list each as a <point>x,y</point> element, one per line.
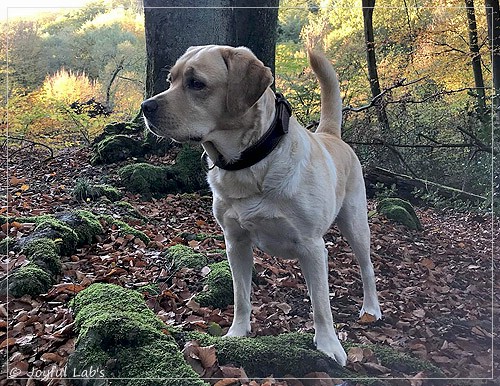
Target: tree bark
<point>170,30</point>
<point>476,59</point>
<point>371,60</point>
<point>493,20</point>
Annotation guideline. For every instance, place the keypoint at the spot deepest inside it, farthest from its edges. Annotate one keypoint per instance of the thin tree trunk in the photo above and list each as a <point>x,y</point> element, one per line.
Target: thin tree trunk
<point>476,59</point>
<point>493,20</point>
<point>371,60</point>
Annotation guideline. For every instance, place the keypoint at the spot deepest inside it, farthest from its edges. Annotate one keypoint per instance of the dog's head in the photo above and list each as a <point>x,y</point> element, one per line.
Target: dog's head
<point>211,88</point>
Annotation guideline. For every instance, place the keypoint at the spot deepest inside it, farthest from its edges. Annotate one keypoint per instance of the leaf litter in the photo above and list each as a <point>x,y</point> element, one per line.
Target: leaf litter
<point>435,286</point>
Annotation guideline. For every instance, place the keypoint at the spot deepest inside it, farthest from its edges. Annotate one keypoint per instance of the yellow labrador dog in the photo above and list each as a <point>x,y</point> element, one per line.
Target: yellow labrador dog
<point>275,185</point>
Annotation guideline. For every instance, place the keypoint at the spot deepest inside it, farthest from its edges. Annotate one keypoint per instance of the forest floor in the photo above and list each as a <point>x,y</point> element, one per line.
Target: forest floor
<point>436,285</point>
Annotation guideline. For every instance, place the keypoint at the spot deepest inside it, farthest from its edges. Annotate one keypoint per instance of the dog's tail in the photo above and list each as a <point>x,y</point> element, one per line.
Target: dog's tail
<point>331,101</point>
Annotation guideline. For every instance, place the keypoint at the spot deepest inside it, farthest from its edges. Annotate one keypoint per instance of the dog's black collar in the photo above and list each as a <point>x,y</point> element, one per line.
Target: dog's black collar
<point>260,150</point>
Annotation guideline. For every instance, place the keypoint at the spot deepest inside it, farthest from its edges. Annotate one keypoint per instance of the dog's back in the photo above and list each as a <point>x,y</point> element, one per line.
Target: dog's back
<point>331,102</point>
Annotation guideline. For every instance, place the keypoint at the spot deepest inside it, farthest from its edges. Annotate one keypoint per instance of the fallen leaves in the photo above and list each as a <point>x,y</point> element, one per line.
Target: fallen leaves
<point>432,284</point>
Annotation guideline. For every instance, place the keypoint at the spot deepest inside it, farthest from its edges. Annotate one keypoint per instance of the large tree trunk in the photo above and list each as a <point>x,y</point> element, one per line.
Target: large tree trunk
<point>493,19</point>
<point>368,7</point>
<point>476,59</point>
<point>170,30</point>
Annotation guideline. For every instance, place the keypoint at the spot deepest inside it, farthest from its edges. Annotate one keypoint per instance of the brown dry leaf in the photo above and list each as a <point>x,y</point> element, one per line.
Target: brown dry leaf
<point>428,263</point>
<point>367,318</point>
<point>9,342</point>
<point>16,181</point>
<point>227,382</point>
<point>51,357</point>
<point>207,356</point>
<point>355,354</point>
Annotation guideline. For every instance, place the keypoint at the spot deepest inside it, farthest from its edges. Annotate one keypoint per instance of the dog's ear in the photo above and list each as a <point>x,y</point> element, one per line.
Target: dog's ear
<point>247,80</point>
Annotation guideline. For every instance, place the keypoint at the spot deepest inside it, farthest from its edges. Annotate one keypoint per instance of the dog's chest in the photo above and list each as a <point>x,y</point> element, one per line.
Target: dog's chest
<point>269,227</point>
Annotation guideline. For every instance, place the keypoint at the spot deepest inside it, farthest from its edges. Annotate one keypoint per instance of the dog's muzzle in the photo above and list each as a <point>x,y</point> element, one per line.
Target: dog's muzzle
<point>149,107</point>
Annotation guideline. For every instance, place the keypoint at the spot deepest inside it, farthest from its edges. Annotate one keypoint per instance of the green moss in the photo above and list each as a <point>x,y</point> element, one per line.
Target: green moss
<point>400,211</point>
<point>29,280</point>
<point>129,210</point>
<point>189,169</point>
<point>89,228</point>
<point>122,337</point>
<point>64,235</point>
<point>6,245</point>
<point>110,192</point>
<point>218,291</point>
<point>295,353</point>
<point>180,256</point>
<point>115,148</point>
<point>147,179</point>
<point>44,253</point>
<point>126,229</point>
<point>84,190</point>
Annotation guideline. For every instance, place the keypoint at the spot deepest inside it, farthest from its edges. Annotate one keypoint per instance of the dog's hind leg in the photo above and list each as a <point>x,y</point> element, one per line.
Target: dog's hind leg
<point>240,256</point>
<point>313,258</point>
<point>353,224</point>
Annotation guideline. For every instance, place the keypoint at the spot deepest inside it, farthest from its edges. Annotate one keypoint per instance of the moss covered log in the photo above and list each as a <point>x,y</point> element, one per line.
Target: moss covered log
<point>400,211</point>
<point>53,236</point>
<point>120,337</point>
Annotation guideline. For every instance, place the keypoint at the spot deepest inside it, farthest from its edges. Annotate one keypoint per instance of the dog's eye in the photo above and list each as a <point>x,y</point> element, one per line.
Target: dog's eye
<point>195,84</point>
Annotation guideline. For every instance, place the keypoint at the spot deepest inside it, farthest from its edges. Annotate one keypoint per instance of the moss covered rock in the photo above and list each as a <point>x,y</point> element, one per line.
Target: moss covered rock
<point>218,289</point>
<point>29,280</point>
<point>400,211</point>
<point>295,354</point>
<point>120,337</point>
<point>44,253</point>
<point>85,190</point>
<point>189,169</point>
<point>180,256</point>
<point>147,179</point>
<point>53,236</point>
<point>116,148</point>
<point>186,175</point>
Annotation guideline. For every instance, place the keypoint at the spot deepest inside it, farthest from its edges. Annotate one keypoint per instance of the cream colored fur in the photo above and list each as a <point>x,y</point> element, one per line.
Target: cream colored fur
<point>220,97</point>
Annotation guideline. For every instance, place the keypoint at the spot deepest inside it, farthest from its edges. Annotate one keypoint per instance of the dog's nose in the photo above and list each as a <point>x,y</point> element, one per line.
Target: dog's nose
<point>149,106</point>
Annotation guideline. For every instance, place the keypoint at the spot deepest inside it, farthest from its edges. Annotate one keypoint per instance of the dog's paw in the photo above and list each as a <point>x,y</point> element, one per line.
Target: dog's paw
<point>333,349</point>
<point>369,315</point>
<point>237,330</point>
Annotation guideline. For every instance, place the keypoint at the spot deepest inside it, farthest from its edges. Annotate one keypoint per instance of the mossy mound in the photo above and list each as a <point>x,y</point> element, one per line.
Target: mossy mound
<point>29,280</point>
<point>55,229</point>
<point>181,256</point>
<point>44,253</point>
<point>218,289</point>
<point>147,179</point>
<point>400,211</point>
<point>186,175</point>
<point>84,190</point>
<point>119,337</point>
<point>116,148</point>
<point>52,236</point>
<point>295,354</point>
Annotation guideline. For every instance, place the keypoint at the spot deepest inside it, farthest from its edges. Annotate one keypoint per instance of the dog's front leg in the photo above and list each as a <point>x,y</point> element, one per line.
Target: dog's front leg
<point>313,258</point>
<point>240,256</point>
